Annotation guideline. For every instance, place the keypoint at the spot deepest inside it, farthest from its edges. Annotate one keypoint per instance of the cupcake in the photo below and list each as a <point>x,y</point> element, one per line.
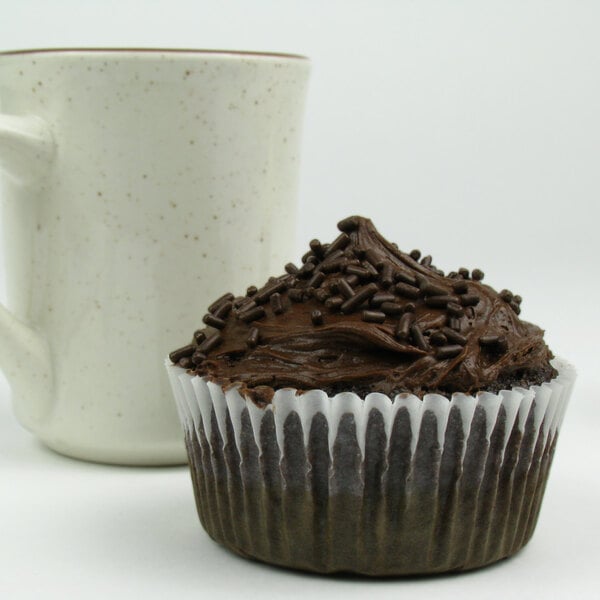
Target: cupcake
<point>366,412</point>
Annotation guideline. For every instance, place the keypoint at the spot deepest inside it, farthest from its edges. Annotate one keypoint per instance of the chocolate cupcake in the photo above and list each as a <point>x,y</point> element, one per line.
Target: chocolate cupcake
<point>367,413</point>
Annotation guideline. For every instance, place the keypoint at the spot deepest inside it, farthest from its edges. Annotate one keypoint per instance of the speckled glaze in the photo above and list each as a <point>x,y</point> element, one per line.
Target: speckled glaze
<point>138,186</point>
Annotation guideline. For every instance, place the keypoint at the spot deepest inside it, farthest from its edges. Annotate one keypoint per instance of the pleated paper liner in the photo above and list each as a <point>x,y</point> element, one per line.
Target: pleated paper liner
<point>374,486</point>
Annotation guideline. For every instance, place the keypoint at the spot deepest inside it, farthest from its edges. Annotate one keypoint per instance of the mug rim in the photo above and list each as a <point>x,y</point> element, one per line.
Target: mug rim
<point>150,50</point>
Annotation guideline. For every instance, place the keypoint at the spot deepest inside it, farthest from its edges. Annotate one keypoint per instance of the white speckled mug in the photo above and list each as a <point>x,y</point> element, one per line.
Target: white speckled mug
<point>140,184</point>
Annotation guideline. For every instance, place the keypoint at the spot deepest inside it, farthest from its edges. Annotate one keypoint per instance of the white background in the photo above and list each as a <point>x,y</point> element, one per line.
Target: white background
<point>468,129</point>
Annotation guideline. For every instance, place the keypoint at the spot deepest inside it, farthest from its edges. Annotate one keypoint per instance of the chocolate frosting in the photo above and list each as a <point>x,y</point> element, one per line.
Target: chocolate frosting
<point>361,315</point>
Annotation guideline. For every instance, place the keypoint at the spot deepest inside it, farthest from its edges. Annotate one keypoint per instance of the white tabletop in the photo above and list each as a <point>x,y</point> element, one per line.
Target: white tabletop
<point>70,529</point>
<point>469,130</point>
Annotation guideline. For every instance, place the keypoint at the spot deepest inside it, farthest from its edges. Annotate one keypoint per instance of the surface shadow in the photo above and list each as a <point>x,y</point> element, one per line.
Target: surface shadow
<point>358,579</point>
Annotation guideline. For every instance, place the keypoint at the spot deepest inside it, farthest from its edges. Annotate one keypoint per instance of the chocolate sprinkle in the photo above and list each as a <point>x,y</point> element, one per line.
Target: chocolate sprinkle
<point>445,352</point>
<point>237,302</point>
<point>210,343</point>
<point>454,309</point>
<point>403,329</point>
<point>266,292</point>
<point>496,343</point>
<point>316,316</point>
<point>252,315</point>
<point>339,243</point>
<point>334,265</point>
<point>198,357</point>
<point>391,308</point>
<point>437,338</point>
<point>407,291</point>
<point>291,268</point>
<point>199,337</point>
<point>438,301</point>
<point>477,274</point>
<point>315,246</point>
<point>217,303</point>
<point>373,316</point>
<point>276,303</point>
<point>454,336</point>
<point>386,278</point>
<point>295,295</point>
<point>358,271</point>
<point>213,321</point>
<point>405,277</point>
<point>380,297</point>
<point>430,289</point>
<point>418,338</point>
<point>355,301</point>
<point>290,281</point>
<point>321,295</point>
<point>223,310</point>
<point>186,362</point>
<point>252,339</point>
<point>345,288</point>
<point>469,300</point>
<point>370,268</point>
<point>316,280</point>
<point>180,353</point>
<point>334,302</point>
<point>460,286</point>
<point>306,270</point>
<point>334,255</point>
<point>247,305</point>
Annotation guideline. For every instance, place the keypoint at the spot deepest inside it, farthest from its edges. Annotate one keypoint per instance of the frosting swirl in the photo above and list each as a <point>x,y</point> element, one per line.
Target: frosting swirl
<point>361,315</point>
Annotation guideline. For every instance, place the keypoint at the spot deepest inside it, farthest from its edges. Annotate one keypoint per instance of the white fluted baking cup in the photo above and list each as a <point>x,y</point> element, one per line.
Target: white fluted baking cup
<point>376,486</point>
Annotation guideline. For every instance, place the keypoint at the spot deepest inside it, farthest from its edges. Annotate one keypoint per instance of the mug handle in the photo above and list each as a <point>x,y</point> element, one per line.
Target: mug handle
<point>27,150</point>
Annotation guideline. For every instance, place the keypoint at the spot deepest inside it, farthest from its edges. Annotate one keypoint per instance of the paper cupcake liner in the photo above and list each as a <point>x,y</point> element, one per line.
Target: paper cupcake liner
<point>374,486</point>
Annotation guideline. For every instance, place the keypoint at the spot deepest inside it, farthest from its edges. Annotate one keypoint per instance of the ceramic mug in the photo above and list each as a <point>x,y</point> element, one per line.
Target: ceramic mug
<point>139,185</point>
